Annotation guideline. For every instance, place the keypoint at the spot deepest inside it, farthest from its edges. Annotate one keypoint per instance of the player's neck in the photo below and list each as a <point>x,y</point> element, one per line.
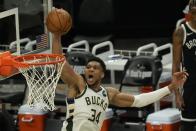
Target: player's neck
<point>96,87</point>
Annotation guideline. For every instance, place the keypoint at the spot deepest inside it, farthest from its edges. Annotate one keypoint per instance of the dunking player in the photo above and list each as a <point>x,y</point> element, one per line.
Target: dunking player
<point>184,53</point>
<point>87,100</point>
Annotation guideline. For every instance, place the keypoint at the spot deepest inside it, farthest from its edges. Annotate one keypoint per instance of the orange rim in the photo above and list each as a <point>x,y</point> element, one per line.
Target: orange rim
<point>19,60</point>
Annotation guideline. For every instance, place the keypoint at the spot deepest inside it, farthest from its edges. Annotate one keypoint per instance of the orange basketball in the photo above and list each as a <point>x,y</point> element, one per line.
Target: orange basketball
<point>58,20</point>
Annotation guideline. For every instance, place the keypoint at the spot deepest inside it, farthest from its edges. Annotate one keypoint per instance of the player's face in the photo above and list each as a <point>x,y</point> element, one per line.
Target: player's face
<point>193,14</point>
<point>93,73</point>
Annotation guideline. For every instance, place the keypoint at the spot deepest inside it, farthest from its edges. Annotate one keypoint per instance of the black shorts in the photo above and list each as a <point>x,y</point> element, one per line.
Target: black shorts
<point>189,96</point>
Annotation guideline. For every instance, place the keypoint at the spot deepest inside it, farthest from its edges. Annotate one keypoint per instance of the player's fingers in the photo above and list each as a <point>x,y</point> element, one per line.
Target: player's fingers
<point>185,73</point>
<point>181,76</point>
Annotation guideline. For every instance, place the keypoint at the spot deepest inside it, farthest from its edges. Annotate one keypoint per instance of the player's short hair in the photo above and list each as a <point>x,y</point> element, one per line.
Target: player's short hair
<point>192,3</point>
<point>100,61</point>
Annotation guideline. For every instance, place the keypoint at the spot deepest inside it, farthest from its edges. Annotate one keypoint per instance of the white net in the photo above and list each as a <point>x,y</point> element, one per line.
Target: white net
<point>42,81</point>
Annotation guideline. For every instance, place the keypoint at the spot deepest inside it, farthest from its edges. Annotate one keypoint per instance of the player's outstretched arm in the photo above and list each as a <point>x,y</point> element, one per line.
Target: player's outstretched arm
<point>126,100</point>
<point>68,75</point>
<point>54,21</point>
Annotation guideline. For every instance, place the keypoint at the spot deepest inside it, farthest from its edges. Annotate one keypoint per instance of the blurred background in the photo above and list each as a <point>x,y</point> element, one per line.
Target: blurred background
<point>128,23</point>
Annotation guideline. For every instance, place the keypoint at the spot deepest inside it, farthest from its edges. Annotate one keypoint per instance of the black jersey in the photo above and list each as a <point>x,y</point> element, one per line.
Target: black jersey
<point>189,53</point>
<point>189,64</point>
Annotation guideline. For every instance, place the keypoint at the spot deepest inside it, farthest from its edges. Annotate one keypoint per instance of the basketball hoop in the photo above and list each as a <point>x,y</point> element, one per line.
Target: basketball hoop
<point>42,72</point>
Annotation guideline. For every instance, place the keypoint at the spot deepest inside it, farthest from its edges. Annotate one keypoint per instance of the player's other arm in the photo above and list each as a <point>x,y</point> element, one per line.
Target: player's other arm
<point>68,75</point>
<point>178,37</point>
<point>126,100</point>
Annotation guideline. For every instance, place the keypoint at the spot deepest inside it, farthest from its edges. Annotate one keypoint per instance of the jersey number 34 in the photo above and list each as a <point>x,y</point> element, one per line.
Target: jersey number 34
<point>95,116</point>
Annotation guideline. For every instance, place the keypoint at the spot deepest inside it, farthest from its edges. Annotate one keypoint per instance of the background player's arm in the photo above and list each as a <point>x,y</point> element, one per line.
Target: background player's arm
<point>68,75</point>
<point>178,37</point>
<point>126,100</point>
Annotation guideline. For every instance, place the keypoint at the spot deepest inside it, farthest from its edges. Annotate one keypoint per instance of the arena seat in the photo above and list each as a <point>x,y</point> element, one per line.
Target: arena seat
<point>78,60</point>
<point>139,71</point>
<point>165,53</point>
<point>142,49</point>
<point>104,55</point>
<point>82,45</point>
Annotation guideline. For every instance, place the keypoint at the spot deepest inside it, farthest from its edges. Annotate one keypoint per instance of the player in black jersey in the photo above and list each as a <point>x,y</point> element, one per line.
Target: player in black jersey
<point>184,58</point>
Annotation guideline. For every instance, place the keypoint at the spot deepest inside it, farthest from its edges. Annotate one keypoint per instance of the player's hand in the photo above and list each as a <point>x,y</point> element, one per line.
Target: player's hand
<point>59,10</point>
<point>178,79</point>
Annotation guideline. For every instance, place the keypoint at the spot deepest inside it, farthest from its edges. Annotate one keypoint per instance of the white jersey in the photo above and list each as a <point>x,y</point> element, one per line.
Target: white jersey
<point>87,111</point>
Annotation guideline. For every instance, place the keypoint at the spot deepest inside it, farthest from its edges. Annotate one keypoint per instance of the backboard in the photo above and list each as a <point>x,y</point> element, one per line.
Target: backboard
<point>9,27</point>
<point>22,28</point>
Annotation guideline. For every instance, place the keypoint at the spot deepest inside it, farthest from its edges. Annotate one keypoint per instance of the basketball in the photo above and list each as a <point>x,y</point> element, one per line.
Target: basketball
<point>58,20</point>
